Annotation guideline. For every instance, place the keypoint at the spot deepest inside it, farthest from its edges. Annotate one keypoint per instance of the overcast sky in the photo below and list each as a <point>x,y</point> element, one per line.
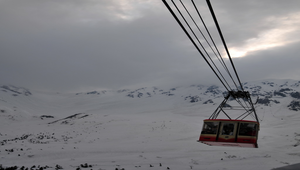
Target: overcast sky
<point>82,45</point>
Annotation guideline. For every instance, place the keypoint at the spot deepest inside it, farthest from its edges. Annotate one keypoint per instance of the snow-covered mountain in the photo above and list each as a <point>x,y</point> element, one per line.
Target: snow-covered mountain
<point>268,93</point>
<point>15,91</point>
<point>144,128</point>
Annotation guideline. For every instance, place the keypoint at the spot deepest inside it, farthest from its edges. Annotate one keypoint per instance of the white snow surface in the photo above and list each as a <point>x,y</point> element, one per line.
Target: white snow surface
<point>110,130</point>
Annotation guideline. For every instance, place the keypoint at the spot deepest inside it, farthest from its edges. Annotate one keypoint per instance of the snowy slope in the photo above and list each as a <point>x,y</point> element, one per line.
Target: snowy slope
<point>145,128</point>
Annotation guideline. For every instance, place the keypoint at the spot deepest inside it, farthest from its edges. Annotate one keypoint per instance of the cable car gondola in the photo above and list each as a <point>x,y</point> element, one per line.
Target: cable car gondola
<point>225,132</point>
<point>215,131</point>
<point>232,132</point>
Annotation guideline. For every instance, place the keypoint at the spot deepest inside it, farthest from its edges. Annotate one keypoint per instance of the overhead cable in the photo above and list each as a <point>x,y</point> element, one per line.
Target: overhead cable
<point>191,39</point>
<point>223,40</point>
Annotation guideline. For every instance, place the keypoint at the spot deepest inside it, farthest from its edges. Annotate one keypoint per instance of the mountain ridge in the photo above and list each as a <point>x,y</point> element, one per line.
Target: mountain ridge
<point>267,92</point>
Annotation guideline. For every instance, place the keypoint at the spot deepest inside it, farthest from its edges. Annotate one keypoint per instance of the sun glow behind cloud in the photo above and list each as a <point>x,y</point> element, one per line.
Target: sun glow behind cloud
<point>112,10</point>
<point>132,9</point>
<point>283,33</point>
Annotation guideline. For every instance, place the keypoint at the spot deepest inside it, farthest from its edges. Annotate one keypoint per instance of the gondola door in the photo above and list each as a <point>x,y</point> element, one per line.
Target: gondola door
<point>227,132</point>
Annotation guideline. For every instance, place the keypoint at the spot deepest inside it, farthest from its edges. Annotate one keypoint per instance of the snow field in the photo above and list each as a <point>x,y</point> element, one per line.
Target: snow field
<point>113,131</point>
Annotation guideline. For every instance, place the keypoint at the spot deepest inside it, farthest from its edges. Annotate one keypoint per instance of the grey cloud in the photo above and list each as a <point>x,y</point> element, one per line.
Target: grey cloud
<point>72,45</point>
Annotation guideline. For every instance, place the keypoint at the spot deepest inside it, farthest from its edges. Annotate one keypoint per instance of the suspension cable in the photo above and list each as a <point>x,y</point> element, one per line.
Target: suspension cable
<point>225,46</point>
<point>224,65</point>
<point>191,39</point>
<point>219,55</point>
<point>220,58</point>
<point>223,40</point>
<point>206,56</point>
<point>199,40</point>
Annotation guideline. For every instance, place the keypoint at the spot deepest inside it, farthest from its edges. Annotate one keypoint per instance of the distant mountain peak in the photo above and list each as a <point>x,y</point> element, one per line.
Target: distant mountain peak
<point>15,90</point>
